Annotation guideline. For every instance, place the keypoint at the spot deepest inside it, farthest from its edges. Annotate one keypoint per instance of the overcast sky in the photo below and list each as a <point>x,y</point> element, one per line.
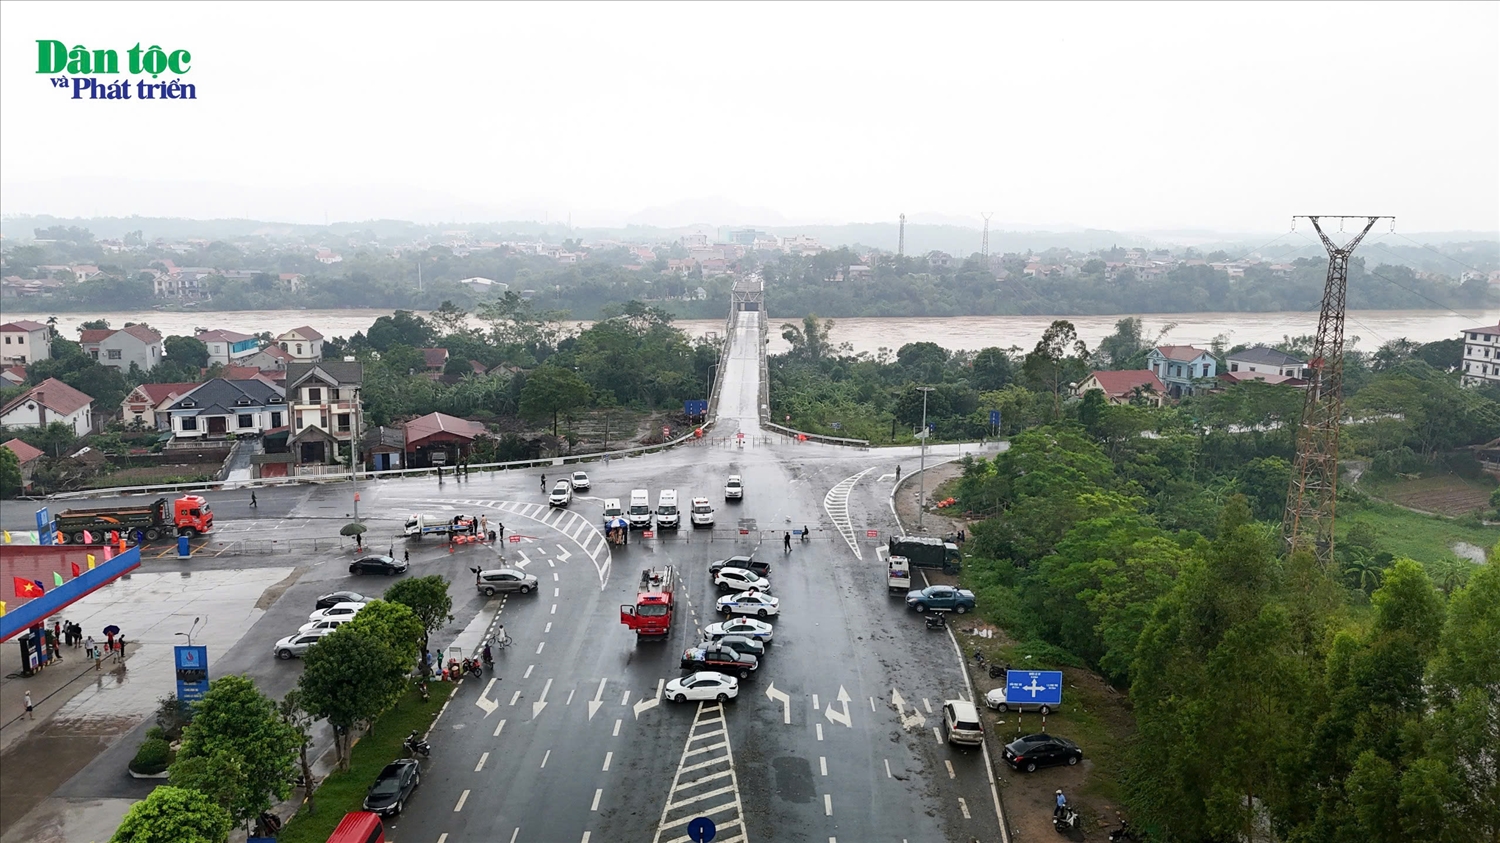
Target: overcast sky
<point>1127,116</point>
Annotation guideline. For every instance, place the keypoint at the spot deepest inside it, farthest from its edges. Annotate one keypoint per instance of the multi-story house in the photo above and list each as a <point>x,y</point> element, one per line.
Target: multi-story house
<point>1126,387</point>
<point>1481,360</point>
<point>47,402</point>
<point>1259,358</point>
<point>1180,368</point>
<point>147,404</point>
<point>222,407</point>
<point>324,402</point>
<point>228,348</point>
<point>119,349</point>
<point>304,344</point>
<point>24,341</point>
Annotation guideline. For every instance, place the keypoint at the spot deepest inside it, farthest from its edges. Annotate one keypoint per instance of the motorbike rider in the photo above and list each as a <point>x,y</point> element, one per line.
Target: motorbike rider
<point>1062,803</point>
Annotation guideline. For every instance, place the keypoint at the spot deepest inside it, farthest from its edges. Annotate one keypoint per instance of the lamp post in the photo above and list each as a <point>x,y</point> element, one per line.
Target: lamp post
<point>354,451</point>
<point>189,634</point>
<point>922,472</point>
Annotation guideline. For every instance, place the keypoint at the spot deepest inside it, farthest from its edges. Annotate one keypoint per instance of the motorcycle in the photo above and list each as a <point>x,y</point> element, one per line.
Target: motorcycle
<point>937,620</point>
<point>1123,834</point>
<point>996,671</point>
<point>1064,819</point>
<point>474,667</point>
<point>417,746</point>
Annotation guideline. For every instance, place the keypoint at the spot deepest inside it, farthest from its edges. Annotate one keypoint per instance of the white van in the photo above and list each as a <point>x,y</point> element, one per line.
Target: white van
<point>639,513</point>
<point>667,516</point>
<point>612,510</point>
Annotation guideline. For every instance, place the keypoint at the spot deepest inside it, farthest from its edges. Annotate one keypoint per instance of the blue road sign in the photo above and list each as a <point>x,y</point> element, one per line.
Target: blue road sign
<point>43,527</point>
<point>1034,687</point>
<point>932,427</point>
<point>701,830</point>
<point>695,408</point>
<point>192,672</point>
<point>995,417</point>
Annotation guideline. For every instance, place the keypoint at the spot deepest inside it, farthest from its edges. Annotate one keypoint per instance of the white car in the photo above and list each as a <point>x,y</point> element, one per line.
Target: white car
<point>703,513</point>
<point>735,489</point>
<point>749,603</point>
<point>562,493</point>
<point>739,579</point>
<point>325,625</point>
<point>748,627</point>
<point>996,699</point>
<point>703,685</point>
<point>338,611</point>
<point>295,646</point>
<point>580,481</point>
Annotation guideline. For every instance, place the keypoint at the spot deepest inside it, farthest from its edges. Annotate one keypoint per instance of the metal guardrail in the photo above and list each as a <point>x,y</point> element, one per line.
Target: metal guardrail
<point>765,403</point>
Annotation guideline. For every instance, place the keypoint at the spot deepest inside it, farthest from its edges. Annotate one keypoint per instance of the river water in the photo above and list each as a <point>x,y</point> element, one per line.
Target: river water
<point>1371,327</point>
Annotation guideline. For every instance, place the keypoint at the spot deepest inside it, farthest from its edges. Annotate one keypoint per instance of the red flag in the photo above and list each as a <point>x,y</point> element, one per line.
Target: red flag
<point>77,571</point>
<point>27,588</point>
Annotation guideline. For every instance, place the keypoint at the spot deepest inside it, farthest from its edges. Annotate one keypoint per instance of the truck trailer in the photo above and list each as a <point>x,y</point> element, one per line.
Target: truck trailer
<point>189,515</point>
<point>926,552</point>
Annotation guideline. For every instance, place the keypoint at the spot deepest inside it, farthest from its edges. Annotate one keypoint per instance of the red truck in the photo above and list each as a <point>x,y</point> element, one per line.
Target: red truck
<point>652,612</point>
<point>189,515</point>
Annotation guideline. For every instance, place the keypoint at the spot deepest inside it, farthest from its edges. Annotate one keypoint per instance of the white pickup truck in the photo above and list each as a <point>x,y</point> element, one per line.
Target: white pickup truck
<point>427,523</point>
<point>898,576</point>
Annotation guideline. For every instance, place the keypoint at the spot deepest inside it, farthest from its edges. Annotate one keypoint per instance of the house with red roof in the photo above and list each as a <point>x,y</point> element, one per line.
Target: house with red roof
<point>1133,386</point>
<point>15,375</point>
<point>439,433</point>
<point>1182,368</point>
<point>47,402</point>
<point>304,344</point>
<point>24,341</point>
<point>30,458</point>
<point>139,345</point>
<point>147,404</point>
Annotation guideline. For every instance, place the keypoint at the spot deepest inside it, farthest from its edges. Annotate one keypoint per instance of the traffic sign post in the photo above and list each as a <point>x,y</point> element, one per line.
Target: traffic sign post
<point>1034,687</point>
<point>701,830</point>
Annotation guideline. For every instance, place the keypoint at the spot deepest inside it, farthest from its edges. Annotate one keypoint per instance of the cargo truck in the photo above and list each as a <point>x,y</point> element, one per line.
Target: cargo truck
<point>189,515</point>
<point>652,613</point>
<point>428,524</point>
<point>926,552</point>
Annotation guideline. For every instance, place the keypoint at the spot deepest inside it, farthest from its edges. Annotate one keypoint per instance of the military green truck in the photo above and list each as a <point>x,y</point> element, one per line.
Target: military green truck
<point>926,552</point>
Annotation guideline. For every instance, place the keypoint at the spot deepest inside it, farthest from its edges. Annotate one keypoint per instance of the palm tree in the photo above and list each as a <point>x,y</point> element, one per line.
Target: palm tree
<point>1362,569</point>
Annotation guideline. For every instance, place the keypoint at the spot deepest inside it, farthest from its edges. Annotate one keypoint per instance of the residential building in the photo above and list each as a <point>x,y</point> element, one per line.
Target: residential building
<point>481,283</point>
<point>1126,387</point>
<point>269,357</point>
<point>1259,358</point>
<point>1273,378</point>
<point>939,259</point>
<point>30,458</point>
<point>223,407</point>
<point>47,402</point>
<point>434,359</point>
<point>439,433</point>
<point>228,348</point>
<point>137,345</point>
<point>292,281</point>
<point>324,401</point>
<point>1180,367</point>
<point>13,375</point>
<point>24,341</point>
<point>384,448</point>
<point>1481,361</point>
<point>801,244</point>
<point>304,344</point>
<point>147,404</point>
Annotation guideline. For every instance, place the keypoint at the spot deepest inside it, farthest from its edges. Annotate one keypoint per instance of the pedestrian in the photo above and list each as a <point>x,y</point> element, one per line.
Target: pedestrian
<point>502,530</point>
<point>406,555</point>
<point>109,641</point>
<point>961,536</point>
<point>806,533</point>
<point>473,525</point>
<point>121,644</point>
<point>253,503</point>
<point>98,658</point>
<point>489,660</point>
<point>898,473</point>
<point>484,524</point>
<point>88,646</point>
<point>544,482</point>
<point>786,543</point>
<point>30,712</point>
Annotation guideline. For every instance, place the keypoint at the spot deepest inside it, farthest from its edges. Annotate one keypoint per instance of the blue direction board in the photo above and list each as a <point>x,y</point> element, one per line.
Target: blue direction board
<point>192,673</point>
<point>995,418</point>
<point>701,830</point>
<point>1034,687</point>
<point>695,408</point>
<point>43,527</point>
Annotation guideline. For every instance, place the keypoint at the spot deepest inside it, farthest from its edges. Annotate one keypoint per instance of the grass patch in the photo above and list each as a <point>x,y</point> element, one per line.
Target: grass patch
<point>1420,537</point>
<point>344,790</point>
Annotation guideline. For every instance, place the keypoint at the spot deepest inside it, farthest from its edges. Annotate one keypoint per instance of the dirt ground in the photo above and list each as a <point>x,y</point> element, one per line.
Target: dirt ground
<point>1448,495</point>
<point>1098,717</point>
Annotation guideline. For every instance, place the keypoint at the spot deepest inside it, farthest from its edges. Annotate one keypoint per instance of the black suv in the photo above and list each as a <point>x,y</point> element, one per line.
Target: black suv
<point>1035,751</point>
<point>762,569</point>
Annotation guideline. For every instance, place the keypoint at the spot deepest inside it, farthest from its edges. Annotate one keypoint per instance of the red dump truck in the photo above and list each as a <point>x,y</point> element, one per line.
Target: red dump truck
<point>652,612</point>
<point>189,515</point>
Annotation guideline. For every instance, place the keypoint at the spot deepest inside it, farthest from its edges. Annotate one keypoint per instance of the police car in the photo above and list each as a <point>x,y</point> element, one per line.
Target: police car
<point>749,603</point>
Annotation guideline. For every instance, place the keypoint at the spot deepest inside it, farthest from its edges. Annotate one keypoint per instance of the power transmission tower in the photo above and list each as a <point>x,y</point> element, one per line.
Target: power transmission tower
<point>1311,498</point>
<point>984,245</point>
<point>901,238</point>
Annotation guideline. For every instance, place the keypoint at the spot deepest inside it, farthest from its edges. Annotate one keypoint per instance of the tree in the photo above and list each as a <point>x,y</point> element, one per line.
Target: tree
<point>174,815</point>
<point>551,389</point>
<point>297,717</point>
<point>993,369</point>
<point>94,325</point>
<point>186,351</point>
<point>348,679</point>
<point>428,599</point>
<point>235,726</point>
<point>392,623</point>
<point>10,473</point>
<point>1050,366</point>
<point>810,342</point>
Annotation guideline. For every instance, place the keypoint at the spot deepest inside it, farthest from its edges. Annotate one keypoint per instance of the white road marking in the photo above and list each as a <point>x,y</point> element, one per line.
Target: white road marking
<point>461,798</point>
<point>554,609</point>
<point>872,704</point>
<point>885,477</point>
<point>598,792</point>
<point>585,837</point>
<point>937,734</point>
<point>498,727</point>
<point>483,758</point>
<point>840,718</point>
<point>815,702</point>
<point>556,592</point>
<point>539,646</point>
<point>963,806</point>
<point>514,834</point>
<point>563,554</point>
<point>443,838</point>
<point>541,703</point>
<point>827,805</point>
<point>819,727</point>
<point>597,700</point>
<point>484,700</point>
<point>888,769</point>
<point>529,668</point>
<point>547,628</point>
<point>554,576</point>
<point>514,697</point>
<point>608,757</point>
<point>949,764</point>
<point>823,764</point>
<point>551,564</point>
<point>705,783</point>
<point>569,700</point>
<point>836,504</point>
<point>524,561</point>
<point>625,698</point>
<point>927,705</point>
<point>545,756</point>
<point>617,726</point>
<point>786,702</point>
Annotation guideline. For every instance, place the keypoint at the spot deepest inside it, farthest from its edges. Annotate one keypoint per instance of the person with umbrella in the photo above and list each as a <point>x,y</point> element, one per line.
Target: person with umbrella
<point>109,637</point>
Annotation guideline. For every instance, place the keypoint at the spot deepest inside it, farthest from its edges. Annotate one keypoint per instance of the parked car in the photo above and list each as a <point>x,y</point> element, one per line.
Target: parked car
<point>747,627</point>
<point>961,722</point>
<point>378,565</point>
<point>562,493</point>
<point>996,699</point>
<point>744,563</point>
<point>734,489</point>
<point>703,513</point>
<point>739,579</point>
<point>393,787</point>
<point>328,600</point>
<point>1041,750</point>
<point>339,611</point>
<point>295,646</point>
<point>495,581</point>
<point>741,644</point>
<point>721,659</point>
<point>749,603</point>
<point>580,481</point>
<point>940,598</point>
<point>703,685</point>
<point>327,625</point>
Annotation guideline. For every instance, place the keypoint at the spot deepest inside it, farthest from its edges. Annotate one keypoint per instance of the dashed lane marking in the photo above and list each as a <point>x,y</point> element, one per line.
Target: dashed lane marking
<point>827,805</point>
<point>462,798</point>
<point>705,784</point>
<point>498,727</point>
<point>964,806</point>
<point>949,764</point>
<point>608,757</point>
<point>547,755</point>
<point>483,758</point>
<point>598,793</point>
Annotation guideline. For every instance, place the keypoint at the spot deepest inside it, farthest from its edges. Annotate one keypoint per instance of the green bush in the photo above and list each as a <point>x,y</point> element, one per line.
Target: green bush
<point>152,758</point>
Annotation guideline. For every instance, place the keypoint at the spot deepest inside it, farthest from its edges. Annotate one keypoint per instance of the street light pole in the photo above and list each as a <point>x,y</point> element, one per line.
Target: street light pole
<point>922,472</point>
<point>354,452</point>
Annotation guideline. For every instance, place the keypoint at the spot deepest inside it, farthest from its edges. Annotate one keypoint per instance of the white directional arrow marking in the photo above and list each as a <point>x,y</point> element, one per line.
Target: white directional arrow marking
<point>596,701</point>
<point>485,702</point>
<point>786,702</point>
<point>840,718</point>
<point>563,554</point>
<point>916,721</point>
<point>524,561</point>
<point>646,705</point>
<point>536,707</point>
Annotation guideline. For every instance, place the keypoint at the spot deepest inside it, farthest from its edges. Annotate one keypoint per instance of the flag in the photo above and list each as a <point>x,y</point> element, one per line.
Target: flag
<point>57,578</point>
<point>7,537</point>
<point>27,588</point>
<point>77,571</point>
<point>88,537</point>
<point>91,562</point>
<point>2,608</point>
